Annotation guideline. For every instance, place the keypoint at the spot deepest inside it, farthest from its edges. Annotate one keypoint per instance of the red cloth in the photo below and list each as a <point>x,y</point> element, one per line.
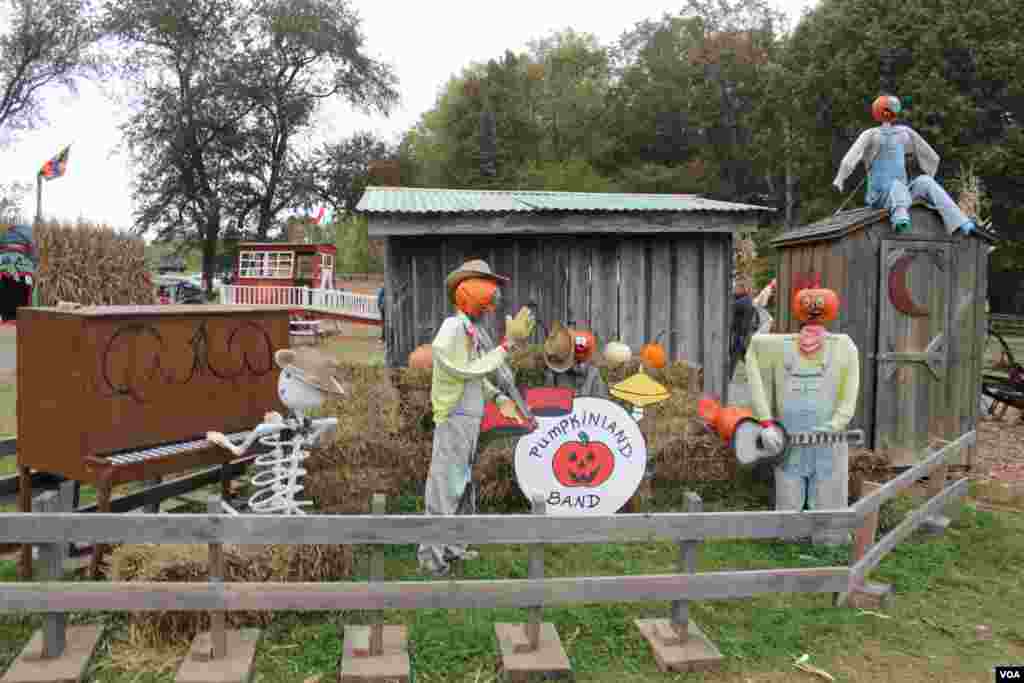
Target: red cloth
<point>811,339</point>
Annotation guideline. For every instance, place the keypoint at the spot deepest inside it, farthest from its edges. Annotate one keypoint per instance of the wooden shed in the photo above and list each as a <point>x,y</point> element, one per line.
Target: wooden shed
<point>626,266</point>
<point>914,303</point>
<point>285,264</point>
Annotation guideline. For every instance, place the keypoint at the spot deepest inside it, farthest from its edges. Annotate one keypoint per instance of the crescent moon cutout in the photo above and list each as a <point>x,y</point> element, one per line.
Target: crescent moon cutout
<point>899,294</point>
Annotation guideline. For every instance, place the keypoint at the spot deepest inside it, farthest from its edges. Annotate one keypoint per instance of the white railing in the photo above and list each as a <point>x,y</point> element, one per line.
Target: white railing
<point>346,303</point>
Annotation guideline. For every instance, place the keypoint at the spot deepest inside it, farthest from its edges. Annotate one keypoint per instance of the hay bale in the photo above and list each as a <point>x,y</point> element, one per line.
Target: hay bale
<point>385,436</point>
<point>189,563</point>
<point>91,265</point>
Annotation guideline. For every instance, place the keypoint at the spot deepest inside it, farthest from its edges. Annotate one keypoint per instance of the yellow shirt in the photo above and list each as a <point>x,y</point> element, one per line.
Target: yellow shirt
<point>765,361</point>
<point>452,366</point>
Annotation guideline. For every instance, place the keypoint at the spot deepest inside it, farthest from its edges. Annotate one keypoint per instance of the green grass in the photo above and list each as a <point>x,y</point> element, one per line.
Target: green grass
<point>944,586</point>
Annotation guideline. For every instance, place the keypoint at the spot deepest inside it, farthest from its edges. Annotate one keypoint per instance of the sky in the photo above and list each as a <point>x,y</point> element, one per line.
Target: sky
<point>425,43</point>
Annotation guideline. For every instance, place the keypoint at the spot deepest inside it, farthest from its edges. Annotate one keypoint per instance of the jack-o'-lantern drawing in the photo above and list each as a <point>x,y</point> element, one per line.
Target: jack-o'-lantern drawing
<point>583,463</point>
<point>816,306</point>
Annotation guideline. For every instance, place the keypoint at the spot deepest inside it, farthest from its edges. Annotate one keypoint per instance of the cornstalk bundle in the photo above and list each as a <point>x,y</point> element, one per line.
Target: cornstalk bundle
<point>745,253</point>
<point>91,265</point>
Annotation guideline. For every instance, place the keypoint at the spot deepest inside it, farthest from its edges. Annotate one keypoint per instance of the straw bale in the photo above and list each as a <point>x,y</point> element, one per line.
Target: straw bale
<point>385,435</point>
<point>91,265</point>
<point>148,562</point>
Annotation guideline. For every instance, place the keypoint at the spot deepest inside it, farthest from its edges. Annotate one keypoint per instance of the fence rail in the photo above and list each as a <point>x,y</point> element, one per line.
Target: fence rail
<point>52,530</point>
<point>362,306</point>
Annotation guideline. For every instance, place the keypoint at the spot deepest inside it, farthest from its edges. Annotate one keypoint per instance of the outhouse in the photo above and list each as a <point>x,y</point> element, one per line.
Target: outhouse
<point>626,266</point>
<point>914,304</point>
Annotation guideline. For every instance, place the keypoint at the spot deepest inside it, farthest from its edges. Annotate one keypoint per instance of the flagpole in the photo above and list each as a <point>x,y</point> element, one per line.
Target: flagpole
<point>39,198</point>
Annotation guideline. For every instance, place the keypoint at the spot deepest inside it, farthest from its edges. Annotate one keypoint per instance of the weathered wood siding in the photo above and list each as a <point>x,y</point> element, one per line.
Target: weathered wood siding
<point>851,266</point>
<point>629,288</point>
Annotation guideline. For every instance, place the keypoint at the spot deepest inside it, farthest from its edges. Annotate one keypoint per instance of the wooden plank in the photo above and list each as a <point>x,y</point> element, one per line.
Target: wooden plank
<point>379,506</point>
<point>894,487</point>
<point>561,223</point>
<point>981,320</point>
<point>531,283</point>
<point>633,293</point>
<point>430,530</point>
<point>861,304</point>
<point>717,312</point>
<point>934,506</point>
<point>581,254</point>
<point>505,264</point>
<point>556,267</point>
<point>604,281</point>
<point>536,571</point>
<point>325,596</point>
<point>687,309</point>
<point>400,293</point>
<point>659,296</point>
<point>430,303</point>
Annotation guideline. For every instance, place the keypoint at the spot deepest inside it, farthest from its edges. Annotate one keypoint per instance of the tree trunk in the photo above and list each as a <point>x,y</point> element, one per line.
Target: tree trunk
<point>210,251</point>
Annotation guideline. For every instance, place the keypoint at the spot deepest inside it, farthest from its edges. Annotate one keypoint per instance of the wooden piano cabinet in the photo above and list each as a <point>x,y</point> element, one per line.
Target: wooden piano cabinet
<point>104,379</point>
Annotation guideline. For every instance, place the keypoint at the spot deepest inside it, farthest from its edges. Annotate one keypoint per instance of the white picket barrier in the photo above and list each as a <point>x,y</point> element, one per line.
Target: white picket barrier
<point>363,306</point>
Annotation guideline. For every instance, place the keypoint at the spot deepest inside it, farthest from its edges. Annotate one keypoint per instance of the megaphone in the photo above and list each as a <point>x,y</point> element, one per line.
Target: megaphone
<point>738,428</point>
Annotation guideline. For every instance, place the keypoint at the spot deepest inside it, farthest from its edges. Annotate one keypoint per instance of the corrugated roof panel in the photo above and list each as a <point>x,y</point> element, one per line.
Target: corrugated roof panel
<point>429,200</point>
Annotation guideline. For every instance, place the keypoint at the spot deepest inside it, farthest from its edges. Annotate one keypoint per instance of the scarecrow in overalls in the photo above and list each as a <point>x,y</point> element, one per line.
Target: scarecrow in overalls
<point>462,359</point>
<point>809,383</point>
<point>567,355</point>
<point>882,149</point>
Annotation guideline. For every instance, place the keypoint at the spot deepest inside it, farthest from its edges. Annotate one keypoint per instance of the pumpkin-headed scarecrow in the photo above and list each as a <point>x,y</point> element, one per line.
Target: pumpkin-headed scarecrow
<point>462,360</point>
<point>882,150</point>
<point>808,382</point>
<point>567,354</point>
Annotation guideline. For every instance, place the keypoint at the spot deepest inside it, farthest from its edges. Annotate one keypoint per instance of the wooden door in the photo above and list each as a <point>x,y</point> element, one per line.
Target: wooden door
<point>913,351</point>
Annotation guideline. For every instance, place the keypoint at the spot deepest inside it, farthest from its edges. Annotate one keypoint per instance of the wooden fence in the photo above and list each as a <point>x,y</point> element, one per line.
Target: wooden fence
<point>52,530</point>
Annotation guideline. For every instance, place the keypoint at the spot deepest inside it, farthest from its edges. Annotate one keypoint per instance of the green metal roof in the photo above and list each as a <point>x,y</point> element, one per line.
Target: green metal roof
<point>415,200</point>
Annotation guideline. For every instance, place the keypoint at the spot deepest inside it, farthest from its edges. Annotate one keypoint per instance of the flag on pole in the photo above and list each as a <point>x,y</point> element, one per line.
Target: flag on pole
<point>320,215</point>
<point>55,167</point>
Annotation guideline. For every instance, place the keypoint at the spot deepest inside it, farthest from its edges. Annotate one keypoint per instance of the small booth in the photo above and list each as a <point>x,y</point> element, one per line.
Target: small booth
<point>18,262</point>
<point>914,304</point>
<point>283,264</point>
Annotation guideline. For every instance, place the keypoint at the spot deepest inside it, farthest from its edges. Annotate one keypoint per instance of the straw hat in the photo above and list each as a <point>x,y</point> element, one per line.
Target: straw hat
<point>474,268</point>
<point>313,367</point>
<point>559,350</point>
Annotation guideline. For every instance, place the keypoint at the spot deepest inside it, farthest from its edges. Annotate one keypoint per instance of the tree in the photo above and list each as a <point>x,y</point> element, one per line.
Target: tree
<point>11,197</point>
<point>226,87</point>
<point>342,169</point>
<point>185,134</point>
<point>299,53</point>
<point>49,42</point>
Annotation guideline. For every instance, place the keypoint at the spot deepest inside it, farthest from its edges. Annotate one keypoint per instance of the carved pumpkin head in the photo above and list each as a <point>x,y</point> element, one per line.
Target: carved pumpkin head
<point>475,296</point>
<point>583,463</point>
<point>885,108</point>
<point>583,344</point>
<point>815,306</point>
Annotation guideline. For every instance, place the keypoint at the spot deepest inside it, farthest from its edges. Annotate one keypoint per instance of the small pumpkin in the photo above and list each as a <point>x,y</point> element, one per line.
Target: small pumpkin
<point>422,357</point>
<point>583,463</point>
<point>617,353</point>
<point>653,354</point>
<point>815,305</point>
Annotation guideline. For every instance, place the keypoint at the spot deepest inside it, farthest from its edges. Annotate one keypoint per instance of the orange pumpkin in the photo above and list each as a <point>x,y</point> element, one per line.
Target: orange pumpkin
<point>816,306</point>
<point>653,355</point>
<point>584,344</point>
<point>422,357</point>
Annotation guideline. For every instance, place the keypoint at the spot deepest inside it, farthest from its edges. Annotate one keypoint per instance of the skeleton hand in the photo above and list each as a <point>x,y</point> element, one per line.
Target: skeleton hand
<point>222,441</point>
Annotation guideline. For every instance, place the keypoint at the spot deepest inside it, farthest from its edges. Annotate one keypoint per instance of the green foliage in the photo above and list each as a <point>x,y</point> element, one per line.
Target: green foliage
<point>352,241</point>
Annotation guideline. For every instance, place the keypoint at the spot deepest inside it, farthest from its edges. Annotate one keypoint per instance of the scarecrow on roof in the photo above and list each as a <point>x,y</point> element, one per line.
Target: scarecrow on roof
<point>882,150</point>
<point>462,361</point>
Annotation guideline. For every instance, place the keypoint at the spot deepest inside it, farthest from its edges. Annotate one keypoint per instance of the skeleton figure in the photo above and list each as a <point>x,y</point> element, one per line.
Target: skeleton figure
<point>809,383</point>
<point>882,151</point>
<point>307,379</point>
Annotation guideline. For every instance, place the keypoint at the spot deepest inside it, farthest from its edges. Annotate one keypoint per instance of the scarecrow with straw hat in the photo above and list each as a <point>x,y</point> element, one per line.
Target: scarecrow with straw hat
<point>882,151</point>
<point>567,355</point>
<point>463,358</point>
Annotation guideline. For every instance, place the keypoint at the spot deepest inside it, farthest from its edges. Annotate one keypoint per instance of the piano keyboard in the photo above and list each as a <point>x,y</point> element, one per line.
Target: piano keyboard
<point>168,450</point>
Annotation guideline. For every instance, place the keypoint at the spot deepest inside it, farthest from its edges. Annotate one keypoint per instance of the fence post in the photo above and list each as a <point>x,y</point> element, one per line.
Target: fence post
<point>378,507</point>
<point>536,571</point>
<point>52,556</point>
<point>218,634</point>
<point>678,643</point>
<point>375,652</point>
<point>865,594</point>
<point>533,651</point>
